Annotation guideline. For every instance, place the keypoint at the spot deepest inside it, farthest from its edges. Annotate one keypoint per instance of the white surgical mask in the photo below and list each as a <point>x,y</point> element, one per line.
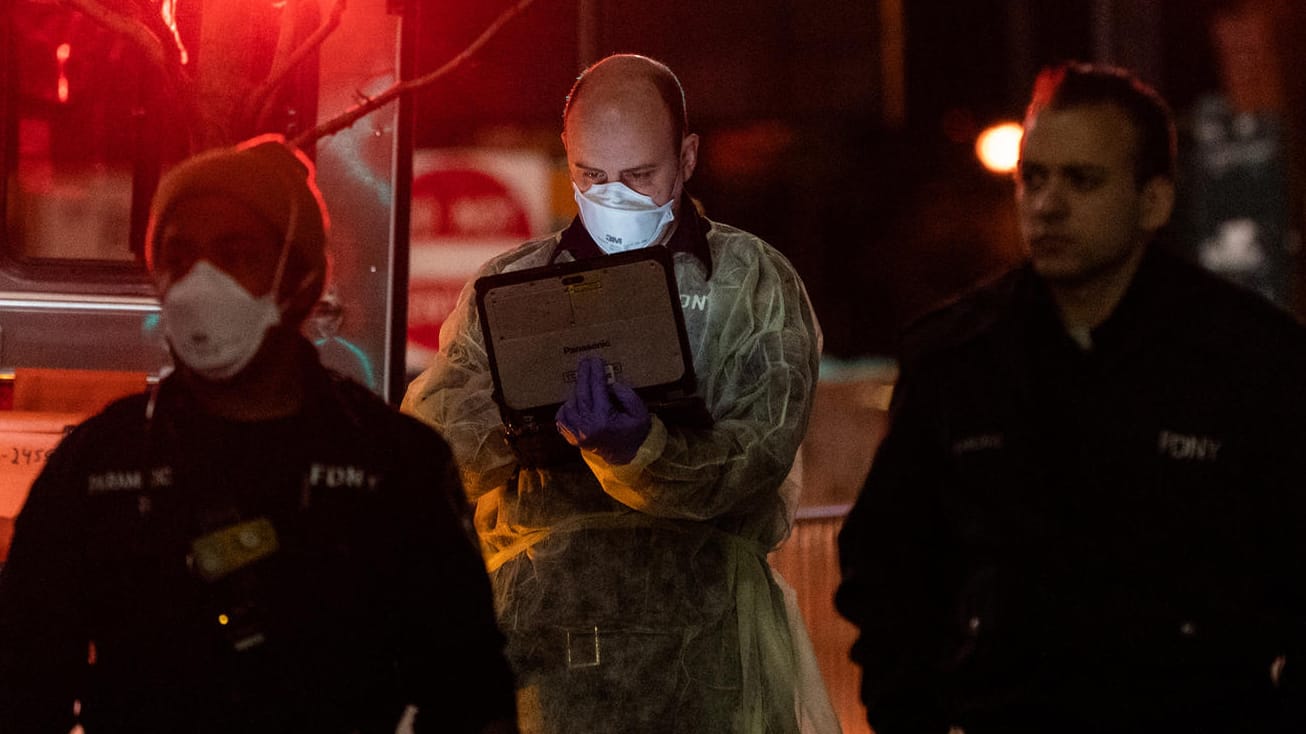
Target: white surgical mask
<point>619,218</point>
<point>215,326</point>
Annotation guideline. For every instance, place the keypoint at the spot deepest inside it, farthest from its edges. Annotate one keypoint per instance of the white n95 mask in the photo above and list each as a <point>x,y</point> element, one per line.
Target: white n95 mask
<point>215,326</point>
<point>619,218</point>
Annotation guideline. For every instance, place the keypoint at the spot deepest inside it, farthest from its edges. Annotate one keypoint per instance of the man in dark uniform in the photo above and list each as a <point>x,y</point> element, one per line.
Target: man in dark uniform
<point>257,545</point>
<point>1087,515</point>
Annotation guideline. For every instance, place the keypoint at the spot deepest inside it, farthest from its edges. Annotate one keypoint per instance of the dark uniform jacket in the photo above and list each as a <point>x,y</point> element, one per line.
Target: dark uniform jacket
<point>1110,539</point>
<point>307,574</point>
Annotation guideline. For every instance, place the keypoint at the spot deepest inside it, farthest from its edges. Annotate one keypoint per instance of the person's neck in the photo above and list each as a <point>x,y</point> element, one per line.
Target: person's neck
<point>271,387</point>
<point>1085,305</point>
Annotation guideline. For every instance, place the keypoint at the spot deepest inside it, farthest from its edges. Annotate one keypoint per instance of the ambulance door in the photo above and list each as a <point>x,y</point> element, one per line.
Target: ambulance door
<point>94,105</point>
<point>90,119</point>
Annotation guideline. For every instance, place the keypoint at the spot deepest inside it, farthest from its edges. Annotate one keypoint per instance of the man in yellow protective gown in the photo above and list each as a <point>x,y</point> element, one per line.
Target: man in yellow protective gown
<point>629,562</point>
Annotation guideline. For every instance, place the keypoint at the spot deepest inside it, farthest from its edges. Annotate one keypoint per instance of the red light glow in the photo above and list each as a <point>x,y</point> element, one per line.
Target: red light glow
<point>61,55</point>
<point>168,11</point>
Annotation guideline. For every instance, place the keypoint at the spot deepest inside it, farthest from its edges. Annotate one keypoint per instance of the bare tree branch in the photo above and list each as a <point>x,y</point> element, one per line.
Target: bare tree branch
<point>178,83</point>
<point>353,114</point>
<point>263,97</point>
<point>133,29</point>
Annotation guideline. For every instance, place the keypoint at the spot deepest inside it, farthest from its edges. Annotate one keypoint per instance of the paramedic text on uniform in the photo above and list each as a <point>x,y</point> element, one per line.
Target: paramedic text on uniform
<point>257,545</point>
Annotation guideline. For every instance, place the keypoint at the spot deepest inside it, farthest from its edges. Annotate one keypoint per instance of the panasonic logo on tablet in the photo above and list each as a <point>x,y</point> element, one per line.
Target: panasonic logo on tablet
<point>586,347</point>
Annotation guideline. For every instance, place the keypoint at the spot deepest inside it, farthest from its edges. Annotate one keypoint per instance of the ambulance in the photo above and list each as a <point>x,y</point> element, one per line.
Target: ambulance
<point>97,98</point>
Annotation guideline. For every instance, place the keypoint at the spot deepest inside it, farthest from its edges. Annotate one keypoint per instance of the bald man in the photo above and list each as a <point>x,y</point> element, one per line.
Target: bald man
<point>628,549</point>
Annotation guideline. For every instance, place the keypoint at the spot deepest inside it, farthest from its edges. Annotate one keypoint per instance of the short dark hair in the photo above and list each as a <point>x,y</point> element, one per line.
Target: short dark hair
<point>1076,84</point>
<point>662,78</point>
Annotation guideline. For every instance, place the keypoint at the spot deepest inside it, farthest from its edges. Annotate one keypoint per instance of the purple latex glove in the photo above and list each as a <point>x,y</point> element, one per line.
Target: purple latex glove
<point>591,420</point>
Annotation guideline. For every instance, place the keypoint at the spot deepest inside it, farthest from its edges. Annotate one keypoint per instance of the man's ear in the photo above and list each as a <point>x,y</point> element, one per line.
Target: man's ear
<point>1158,203</point>
<point>688,156</point>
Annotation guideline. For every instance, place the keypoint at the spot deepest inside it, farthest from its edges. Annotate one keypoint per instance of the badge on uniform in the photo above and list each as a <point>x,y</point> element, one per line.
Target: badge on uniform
<point>230,549</point>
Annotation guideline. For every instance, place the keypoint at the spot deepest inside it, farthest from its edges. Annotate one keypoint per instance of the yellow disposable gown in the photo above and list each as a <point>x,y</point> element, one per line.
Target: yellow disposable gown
<point>637,597</point>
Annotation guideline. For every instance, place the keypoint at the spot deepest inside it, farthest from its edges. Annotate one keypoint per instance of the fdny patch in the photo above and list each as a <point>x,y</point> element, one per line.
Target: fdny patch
<point>1187,446</point>
<point>335,476</point>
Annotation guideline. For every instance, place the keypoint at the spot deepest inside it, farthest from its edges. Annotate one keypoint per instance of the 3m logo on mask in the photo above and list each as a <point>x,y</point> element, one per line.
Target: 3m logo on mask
<point>1187,447</point>
<point>349,477</point>
<point>619,219</point>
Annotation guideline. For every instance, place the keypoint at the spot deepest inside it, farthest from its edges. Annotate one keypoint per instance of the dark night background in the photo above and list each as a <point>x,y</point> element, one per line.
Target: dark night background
<point>842,131</point>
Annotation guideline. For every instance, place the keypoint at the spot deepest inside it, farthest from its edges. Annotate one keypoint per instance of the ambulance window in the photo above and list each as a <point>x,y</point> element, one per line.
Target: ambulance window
<point>79,155</point>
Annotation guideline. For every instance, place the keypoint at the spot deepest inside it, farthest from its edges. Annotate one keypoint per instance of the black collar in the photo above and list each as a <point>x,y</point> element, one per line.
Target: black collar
<point>317,380</point>
<point>690,236</point>
<point>1133,318</point>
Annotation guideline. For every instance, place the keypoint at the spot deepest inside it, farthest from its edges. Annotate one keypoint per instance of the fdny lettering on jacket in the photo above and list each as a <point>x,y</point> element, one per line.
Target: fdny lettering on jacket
<point>1187,447</point>
<point>333,476</point>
